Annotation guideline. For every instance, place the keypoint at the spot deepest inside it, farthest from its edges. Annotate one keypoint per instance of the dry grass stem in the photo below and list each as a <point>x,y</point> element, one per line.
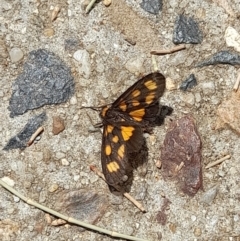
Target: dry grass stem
<point>90,5</point>
<point>34,135</point>
<point>68,219</point>
<point>218,161</point>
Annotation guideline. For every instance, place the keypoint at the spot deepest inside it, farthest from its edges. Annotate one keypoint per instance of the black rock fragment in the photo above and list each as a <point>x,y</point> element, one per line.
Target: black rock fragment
<point>222,57</point>
<point>186,30</point>
<point>21,139</point>
<point>151,6</point>
<point>45,80</point>
<point>188,83</point>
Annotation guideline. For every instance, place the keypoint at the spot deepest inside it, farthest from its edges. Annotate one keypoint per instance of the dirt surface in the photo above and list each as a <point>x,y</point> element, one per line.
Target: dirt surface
<point>116,42</point>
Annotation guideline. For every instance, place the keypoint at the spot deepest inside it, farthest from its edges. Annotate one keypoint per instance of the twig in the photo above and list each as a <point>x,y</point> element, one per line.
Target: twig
<point>34,135</point>
<point>168,51</point>
<point>218,161</point>
<point>89,6</point>
<point>236,85</point>
<point>127,195</point>
<point>68,219</point>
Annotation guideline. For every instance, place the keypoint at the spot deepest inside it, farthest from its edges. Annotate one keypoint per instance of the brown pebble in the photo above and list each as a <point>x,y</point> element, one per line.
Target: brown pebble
<point>173,227</point>
<point>58,125</point>
<point>197,232</point>
<point>48,32</point>
<point>107,2</point>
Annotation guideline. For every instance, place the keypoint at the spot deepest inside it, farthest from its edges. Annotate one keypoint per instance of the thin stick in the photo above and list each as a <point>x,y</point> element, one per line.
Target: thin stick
<point>34,135</point>
<point>236,85</point>
<point>218,161</point>
<point>68,219</point>
<point>168,51</point>
<point>127,195</point>
<point>89,6</point>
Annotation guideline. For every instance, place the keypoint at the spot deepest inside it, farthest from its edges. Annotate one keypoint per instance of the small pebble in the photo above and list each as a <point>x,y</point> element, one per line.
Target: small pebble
<point>170,84</point>
<point>232,38</point>
<point>53,188</point>
<point>84,66</point>
<point>48,32</point>
<point>107,2</point>
<point>209,195</point>
<point>30,228</point>
<point>221,173</point>
<point>76,178</point>
<point>173,227</point>
<point>16,54</point>
<point>16,199</point>
<point>193,218</point>
<point>58,125</point>
<point>8,180</point>
<point>197,232</point>
<point>65,162</point>
<point>73,100</point>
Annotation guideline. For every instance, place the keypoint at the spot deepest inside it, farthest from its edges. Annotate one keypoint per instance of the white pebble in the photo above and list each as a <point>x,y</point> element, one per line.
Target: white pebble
<point>232,38</point>
<point>65,162</point>
<point>76,178</point>
<point>16,54</point>
<point>9,181</point>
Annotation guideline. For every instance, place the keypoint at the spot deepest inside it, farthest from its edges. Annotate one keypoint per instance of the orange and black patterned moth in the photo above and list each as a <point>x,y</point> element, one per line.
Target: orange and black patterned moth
<point>124,122</point>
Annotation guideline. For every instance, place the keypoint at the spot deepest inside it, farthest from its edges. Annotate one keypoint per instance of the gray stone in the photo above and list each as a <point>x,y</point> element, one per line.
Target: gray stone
<point>45,80</point>
<point>22,138</point>
<point>186,30</point>
<point>188,83</point>
<point>209,195</point>
<point>151,6</point>
<point>222,57</point>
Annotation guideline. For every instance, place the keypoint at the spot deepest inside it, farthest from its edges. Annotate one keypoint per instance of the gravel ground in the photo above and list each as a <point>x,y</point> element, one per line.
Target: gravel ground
<point>114,44</point>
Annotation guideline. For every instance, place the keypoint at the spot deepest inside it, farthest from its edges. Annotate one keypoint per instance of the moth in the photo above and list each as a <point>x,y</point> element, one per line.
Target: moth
<point>124,122</point>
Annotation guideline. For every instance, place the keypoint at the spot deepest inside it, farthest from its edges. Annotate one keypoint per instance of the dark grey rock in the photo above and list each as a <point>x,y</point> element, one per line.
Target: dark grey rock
<point>186,30</point>
<point>222,57</point>
<point>45,80</point>
<point>151,6</point>
<point>189,83</point>
<point>21,139</point>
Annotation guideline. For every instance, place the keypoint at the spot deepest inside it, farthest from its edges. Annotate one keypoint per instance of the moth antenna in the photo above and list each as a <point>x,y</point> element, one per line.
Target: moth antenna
<point>91,107</point>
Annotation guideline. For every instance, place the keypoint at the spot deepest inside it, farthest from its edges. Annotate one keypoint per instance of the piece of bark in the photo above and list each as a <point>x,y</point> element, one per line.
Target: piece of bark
<point>182,144</point>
